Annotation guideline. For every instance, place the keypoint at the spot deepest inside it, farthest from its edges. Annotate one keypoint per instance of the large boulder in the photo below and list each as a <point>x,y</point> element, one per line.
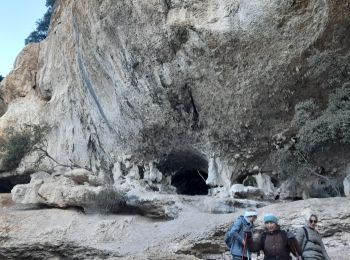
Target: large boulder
<point>64,191</point>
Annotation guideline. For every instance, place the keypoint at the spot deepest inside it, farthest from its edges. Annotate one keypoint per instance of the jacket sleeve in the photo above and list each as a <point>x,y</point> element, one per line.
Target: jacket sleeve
<point>300,237</point>
<point>324,252</point>
<point>234,231</point>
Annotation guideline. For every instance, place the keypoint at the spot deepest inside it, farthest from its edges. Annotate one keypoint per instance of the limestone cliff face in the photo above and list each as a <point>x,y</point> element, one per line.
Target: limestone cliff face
<point>218,80</point>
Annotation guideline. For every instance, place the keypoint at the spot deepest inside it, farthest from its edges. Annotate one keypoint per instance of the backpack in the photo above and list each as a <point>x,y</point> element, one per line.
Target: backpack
<point>228,239</point>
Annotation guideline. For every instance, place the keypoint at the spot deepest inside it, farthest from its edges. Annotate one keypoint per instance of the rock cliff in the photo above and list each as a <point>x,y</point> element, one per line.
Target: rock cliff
<point>223,87</point>
<point>130,106</point>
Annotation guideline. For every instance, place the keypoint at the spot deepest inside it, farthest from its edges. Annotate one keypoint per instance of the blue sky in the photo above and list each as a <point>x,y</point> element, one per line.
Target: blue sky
<point>17,21</point>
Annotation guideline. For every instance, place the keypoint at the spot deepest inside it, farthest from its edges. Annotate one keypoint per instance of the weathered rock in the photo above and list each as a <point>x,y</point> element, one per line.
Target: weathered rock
<point>22,79</point>
<point>220,78</point>
<point>228,205</point>
<point>60,191</point>
<point>241,191</point>
<point>79,176</point>
<point>291,190</point>
<point>193,234</point>
<point>153,205</point>
<point>264,183</point>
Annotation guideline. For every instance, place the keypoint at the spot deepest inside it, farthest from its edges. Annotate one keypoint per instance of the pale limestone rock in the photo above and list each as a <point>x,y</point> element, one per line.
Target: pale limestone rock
<point>219,172</point>
<point>153,205</point>
<point>264,183</point>
<point>213,173</point>
<point>117,172</point>
<point>61,191</point>
<point>291,189</point>
<point>79,176</point>
<point>134,173</point>
<point>22,79</point>
<point>154,174</point>
<point>241,191</point>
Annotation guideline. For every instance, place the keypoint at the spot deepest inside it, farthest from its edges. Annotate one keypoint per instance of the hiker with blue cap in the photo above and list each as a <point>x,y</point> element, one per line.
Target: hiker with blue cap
<point>277,244</point>
<point>235,237</point>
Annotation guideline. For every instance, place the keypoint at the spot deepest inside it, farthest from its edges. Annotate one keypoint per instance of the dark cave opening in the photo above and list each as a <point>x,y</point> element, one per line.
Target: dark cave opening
<point>188,170</point>
<point>190,182</point>
<point>7,184</point>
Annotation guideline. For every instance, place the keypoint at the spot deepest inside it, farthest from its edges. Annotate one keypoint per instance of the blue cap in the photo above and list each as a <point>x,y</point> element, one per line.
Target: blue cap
<point>270,218</point>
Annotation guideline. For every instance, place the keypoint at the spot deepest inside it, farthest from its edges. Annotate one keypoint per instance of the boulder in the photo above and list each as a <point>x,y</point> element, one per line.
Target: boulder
<point>241,191</point>
<point>62,192</point>
<point>79,176</point>
<point>152,205</point>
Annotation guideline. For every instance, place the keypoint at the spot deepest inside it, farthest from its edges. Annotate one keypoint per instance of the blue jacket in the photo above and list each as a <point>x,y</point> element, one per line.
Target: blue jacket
<point>237,234</point>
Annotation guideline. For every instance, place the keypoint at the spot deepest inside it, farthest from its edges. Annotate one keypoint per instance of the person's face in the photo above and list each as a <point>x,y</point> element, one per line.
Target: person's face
<point>313,222</point>
<point>270,226</point>
<point>252,219</point>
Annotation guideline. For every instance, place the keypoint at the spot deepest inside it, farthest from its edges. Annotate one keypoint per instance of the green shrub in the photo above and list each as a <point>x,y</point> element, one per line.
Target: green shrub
<point>330,128</point>
<point>43,25</point>
<point>14,145</point>
<point>304,111</point>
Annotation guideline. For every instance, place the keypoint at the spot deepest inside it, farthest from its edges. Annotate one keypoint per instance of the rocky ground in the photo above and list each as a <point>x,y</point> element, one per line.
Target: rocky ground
<point>37,233</point>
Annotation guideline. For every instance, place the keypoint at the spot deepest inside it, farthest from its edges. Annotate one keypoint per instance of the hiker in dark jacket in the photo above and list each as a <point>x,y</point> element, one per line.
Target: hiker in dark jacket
<point>276,244</point>
<point>237,246</point>
<point>311,242</point>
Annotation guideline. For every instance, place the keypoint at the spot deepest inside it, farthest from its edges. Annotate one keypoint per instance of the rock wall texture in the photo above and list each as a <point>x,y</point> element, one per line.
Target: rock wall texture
<point>227,87</point>
<point>68,234</point>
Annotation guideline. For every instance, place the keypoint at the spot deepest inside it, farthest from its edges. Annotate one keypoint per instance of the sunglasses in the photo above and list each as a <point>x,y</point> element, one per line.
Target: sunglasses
<point>313,221</point>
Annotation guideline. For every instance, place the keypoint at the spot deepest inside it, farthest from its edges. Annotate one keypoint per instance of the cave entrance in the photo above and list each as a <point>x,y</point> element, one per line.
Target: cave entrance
<point>188,170</point>
<point>6,184</point>
<point>190,182</point>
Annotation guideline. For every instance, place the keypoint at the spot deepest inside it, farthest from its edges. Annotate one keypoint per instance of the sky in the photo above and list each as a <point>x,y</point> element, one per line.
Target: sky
<point>17,20</point>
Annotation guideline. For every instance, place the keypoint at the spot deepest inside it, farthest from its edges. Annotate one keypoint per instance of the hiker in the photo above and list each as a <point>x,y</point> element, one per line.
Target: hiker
<point>235,239</point>
<point>276,244</point>
<point>310,241</point>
